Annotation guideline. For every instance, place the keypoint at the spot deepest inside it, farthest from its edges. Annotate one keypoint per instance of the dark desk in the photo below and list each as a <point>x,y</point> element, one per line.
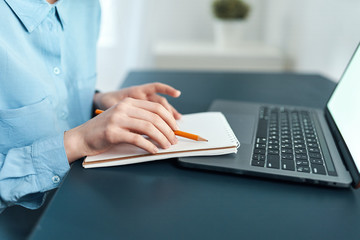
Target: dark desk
<point>160,200</point>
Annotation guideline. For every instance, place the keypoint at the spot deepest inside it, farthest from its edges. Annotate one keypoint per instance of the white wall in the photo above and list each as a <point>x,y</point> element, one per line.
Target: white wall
<point>317,35</point>
<point>118,45</point>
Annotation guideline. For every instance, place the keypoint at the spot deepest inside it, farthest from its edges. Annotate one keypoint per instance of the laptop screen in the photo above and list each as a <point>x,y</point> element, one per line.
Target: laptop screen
<point>344,107</point>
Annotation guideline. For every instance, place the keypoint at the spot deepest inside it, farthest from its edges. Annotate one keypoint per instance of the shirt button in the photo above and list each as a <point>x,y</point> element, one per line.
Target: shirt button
<point>57,70</point>
<point>63,115</point>
<point>55,179</point>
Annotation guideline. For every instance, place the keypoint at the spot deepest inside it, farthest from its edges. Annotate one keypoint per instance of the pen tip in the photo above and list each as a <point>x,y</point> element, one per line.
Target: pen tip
<point>202,139</point>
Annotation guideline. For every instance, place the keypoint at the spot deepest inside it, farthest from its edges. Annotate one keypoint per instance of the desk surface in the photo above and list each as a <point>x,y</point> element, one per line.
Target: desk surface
<point>160,200</point>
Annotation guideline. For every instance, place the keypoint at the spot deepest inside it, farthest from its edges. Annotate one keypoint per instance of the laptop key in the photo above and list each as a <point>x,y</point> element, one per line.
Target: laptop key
<point>313,145</point>
<point>259,157</point>
<point>273,147</point>
<point>311,140</point>
<point>300,150</point>
<point>301,156</point>
<point>299,146</point>
<point>273,142</point>
<point>273,161</point>
<point>298,137</point>
<point>307,131</point>
<point>314,150</point>
<point>287,156</point>
<point>284,141</point>
<point>260,146</point>
<point>258,163</point>
<point>260,140</point>
<point>285,136</point>
<point>273,151</point>
<point>262,128</point>
<point>302,163</point>
<point>273,133</point>
<point>315,155</point>
<point>288,165</point>
<point>286,145</point>
<point>316,161</point>
<point>318,169</point>
<point>303,169</point>
<point>259,151</point>
<point>287,150</point>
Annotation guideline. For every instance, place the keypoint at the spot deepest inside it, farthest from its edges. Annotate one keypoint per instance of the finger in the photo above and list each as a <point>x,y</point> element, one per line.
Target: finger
<point>163,89</point>
<point>176,114</point>
<point>147,128</point>
<point>158,109</point>
<point>137,140</point>
<point>156,120</point>
<point>163,101</point>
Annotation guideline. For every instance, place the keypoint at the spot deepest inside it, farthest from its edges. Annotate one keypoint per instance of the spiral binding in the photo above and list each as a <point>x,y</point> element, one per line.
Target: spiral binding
<point>231,133</point>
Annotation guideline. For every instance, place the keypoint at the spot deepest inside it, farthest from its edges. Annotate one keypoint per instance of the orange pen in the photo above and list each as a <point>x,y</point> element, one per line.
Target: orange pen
<point>189,135</point>
<point>98,111</point>
<point>177,132</point>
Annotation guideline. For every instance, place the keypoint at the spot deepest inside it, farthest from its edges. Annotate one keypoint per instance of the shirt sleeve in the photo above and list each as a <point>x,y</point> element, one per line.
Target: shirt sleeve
<point>26,173</point>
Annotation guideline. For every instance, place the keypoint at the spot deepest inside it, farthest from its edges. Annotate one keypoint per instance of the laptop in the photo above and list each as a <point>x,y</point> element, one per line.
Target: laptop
<point>319,146</point>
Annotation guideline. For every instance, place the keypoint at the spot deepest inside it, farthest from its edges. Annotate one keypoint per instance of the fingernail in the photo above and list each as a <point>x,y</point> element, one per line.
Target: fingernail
<point>175,140</point>
<point>155,150</point>
<point>166,145</point>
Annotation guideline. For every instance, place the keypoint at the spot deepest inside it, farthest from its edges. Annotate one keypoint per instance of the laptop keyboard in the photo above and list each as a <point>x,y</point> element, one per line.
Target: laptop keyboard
<point>287,140</point>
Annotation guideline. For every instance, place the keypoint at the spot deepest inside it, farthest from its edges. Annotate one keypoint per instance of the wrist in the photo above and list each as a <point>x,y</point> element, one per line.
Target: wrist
<point>73,146</point>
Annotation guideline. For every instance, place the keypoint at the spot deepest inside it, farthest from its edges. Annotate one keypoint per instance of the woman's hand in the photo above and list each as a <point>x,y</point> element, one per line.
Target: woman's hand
<point>143,92</point>
<point>125,122</point>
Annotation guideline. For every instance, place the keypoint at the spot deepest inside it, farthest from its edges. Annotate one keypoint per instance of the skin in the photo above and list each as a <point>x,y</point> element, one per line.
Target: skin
<point>130,114</point>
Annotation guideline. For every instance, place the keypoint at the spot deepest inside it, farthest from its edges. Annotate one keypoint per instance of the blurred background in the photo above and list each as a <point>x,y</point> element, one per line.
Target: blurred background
<point>304,36</point>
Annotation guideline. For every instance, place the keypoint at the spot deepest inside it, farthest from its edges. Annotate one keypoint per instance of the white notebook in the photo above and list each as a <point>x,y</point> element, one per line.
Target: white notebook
<point>212,126</point>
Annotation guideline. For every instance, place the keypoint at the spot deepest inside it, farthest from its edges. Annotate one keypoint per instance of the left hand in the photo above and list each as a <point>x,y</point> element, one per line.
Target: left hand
<point>147,92</point>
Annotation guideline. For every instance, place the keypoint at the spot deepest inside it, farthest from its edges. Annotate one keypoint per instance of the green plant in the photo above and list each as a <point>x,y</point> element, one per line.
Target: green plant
<point>230,9</point>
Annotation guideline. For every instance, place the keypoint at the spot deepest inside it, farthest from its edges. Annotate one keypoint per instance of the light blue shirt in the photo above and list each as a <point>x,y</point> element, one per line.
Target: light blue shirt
<point>47,81</point>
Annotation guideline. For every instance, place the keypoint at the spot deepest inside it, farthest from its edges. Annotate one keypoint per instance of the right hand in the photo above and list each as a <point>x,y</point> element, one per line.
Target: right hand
<point>125,122</point>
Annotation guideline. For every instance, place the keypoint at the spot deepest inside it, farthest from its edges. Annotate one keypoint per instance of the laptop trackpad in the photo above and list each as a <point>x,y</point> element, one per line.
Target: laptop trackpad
<point>243,126</point>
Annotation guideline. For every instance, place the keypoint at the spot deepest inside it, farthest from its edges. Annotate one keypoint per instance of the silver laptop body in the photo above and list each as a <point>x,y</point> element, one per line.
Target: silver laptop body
<point>338,160</point>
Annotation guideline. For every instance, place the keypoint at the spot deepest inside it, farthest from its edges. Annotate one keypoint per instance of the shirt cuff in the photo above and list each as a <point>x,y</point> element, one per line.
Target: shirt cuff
<point>50,161</point>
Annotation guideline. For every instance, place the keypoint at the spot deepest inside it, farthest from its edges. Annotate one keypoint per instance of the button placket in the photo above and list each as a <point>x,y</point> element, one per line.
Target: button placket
<point>50,25</point>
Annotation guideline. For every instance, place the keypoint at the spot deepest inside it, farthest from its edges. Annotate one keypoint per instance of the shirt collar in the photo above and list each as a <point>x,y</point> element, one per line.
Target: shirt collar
<point>32,13</point>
